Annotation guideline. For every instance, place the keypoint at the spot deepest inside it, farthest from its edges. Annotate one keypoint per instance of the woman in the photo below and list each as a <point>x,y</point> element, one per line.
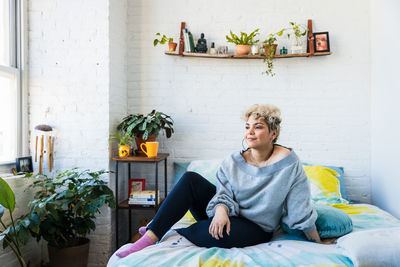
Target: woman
<point>253,188</point>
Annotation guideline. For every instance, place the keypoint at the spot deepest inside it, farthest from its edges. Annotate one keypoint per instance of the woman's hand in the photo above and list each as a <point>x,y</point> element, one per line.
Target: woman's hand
<point>328,241</point>
<point>314,236</point>
<point>219,221</point>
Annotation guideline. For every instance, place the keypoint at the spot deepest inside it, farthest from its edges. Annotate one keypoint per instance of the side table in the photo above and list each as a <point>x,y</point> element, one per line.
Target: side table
<point>124,204</point>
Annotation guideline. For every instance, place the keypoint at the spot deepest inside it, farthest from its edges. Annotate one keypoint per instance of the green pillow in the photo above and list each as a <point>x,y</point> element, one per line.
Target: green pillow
<point>331,222</point>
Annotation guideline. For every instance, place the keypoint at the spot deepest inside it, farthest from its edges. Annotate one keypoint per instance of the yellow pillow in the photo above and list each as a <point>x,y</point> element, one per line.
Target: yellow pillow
<point>189,216</point>
<point>324,184</point>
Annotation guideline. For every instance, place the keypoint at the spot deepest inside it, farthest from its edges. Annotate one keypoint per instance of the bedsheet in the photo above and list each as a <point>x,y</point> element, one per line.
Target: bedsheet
<point>282,250</point>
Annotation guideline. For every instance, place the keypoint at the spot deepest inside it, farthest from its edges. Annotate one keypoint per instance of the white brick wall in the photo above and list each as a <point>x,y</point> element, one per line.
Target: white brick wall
<point>69,89</point>
<point>325,101</point>
<point>84,60</point>
<point>118,93</point>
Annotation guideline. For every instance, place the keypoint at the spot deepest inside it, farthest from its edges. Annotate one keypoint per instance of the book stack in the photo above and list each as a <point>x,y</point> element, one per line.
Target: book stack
<point>143,198</point>
<point>188,41</point>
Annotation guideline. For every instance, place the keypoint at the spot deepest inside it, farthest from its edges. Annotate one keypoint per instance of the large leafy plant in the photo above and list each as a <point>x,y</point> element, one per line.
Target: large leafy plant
<point>17,232</point>
<point>145,125</point>
<point>244,39</point>
<point>66,205</point>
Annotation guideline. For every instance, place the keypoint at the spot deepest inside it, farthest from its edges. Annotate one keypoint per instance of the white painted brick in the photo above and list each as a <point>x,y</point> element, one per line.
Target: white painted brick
<point>92,62</point>
<point>326,117</point>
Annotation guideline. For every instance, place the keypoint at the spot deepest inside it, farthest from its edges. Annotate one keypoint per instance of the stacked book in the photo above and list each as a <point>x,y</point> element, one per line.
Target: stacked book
<point>143,198</point>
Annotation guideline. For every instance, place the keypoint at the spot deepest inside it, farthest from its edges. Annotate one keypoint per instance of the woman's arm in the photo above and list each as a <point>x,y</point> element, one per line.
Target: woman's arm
<point>224,196</point>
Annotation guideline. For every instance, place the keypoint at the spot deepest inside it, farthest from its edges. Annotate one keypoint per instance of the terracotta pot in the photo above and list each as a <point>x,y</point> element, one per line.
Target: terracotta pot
<point>269,51</point>
<point>124,151</point>
<point>76,256</point>
<point>139,141</point>
<point>242,49</point>
<point>172,46</point>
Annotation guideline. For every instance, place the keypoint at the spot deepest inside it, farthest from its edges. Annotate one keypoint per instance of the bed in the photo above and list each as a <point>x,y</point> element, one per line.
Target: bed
<point>374,240</point>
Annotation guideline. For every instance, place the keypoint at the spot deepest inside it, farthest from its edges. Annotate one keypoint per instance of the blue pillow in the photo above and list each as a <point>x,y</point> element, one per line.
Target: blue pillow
<point>340,171</point>
<point>331,222</point>
<point>179,169</point>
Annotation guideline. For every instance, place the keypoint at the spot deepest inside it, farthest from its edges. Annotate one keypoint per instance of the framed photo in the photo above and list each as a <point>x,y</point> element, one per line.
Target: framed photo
<point>321,42</point>
<point>136,185</point>
<point>24,164</point>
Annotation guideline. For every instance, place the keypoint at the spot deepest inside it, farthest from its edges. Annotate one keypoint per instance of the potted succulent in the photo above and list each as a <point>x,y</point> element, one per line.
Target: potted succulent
<point>64,208</point>
<point>146,127</point>
<point>164,39</point>
<point>125,141</point>
<point>243,43</point>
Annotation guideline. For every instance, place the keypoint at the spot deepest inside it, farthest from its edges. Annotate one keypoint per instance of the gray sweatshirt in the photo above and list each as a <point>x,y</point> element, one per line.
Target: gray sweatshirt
<point>261,194</point>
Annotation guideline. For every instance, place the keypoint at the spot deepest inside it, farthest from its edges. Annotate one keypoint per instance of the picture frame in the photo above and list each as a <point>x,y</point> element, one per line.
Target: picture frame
<point>137,184</point>
<point>321,42</point>
<point>24,165</point>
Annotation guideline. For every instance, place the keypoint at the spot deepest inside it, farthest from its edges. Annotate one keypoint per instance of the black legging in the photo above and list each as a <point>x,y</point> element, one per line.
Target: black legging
<point>194,192</point>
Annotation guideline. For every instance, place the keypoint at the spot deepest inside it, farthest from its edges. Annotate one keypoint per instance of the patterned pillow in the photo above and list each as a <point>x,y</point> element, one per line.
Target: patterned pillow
<point>206,168</point>
<point>325,185</point>
<point>340,171</point>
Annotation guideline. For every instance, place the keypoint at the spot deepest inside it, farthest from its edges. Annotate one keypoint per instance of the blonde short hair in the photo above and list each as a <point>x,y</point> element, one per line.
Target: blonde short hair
<point>269,113</point>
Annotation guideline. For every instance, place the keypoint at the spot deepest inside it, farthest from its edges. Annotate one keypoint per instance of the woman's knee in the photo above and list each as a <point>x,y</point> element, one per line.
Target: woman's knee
<point>192,177</point>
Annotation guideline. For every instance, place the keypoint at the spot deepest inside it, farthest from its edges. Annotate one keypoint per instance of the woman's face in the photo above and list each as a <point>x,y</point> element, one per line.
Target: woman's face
<point>257,134</point>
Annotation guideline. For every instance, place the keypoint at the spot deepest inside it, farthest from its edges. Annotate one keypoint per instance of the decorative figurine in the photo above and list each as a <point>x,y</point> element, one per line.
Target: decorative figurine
<point>222,50</point>
<point>201,46</point>
<point>283,51</point>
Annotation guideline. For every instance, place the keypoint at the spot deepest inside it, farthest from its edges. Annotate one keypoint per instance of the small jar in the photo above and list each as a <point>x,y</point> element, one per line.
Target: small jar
<point>213,51</point>
<point>255,49</point>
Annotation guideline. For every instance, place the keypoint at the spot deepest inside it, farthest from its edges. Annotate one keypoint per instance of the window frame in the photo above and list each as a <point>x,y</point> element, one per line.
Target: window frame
<point>17,48</point>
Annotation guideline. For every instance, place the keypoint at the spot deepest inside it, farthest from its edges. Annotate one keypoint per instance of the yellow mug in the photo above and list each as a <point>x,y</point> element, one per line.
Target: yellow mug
<point>151,149</point>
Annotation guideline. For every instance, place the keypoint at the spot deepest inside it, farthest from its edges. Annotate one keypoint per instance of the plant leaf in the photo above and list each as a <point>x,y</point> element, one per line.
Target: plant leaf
<point>7,197</point>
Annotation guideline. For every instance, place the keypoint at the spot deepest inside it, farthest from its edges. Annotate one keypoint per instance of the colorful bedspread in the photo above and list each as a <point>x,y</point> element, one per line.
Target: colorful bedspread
<point>283,250</point>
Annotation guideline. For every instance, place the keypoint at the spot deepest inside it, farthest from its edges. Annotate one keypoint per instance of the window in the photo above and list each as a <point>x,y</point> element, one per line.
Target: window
<point>10,81</point>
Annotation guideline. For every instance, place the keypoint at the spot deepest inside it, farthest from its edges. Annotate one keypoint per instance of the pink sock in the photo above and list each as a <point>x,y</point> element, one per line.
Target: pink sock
<point>142,230</point>
<point>143,242</point>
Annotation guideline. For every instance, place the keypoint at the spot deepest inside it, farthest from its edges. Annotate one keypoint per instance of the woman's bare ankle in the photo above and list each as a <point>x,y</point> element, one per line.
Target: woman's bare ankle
<point>152,236</point>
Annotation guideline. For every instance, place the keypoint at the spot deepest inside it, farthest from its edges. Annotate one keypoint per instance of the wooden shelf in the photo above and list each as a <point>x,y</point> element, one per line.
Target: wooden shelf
<point>160,157</point>
<point>187,54</point>
<point>125,205</point>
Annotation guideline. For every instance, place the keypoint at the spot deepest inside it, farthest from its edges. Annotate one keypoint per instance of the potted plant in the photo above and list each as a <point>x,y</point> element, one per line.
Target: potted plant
<point>270,49</point>
<point>243,43</point>
<point>64,208</point>
<point>164,39</point>
<point>17,232</point>
<point>146,127</point>
<point>299,31</point>
<point>125,140</point>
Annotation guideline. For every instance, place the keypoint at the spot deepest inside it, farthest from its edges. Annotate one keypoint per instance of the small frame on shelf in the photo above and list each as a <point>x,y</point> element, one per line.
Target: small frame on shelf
<point>24,165</point>
<point>136,185</point>
<point>321,42</point>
